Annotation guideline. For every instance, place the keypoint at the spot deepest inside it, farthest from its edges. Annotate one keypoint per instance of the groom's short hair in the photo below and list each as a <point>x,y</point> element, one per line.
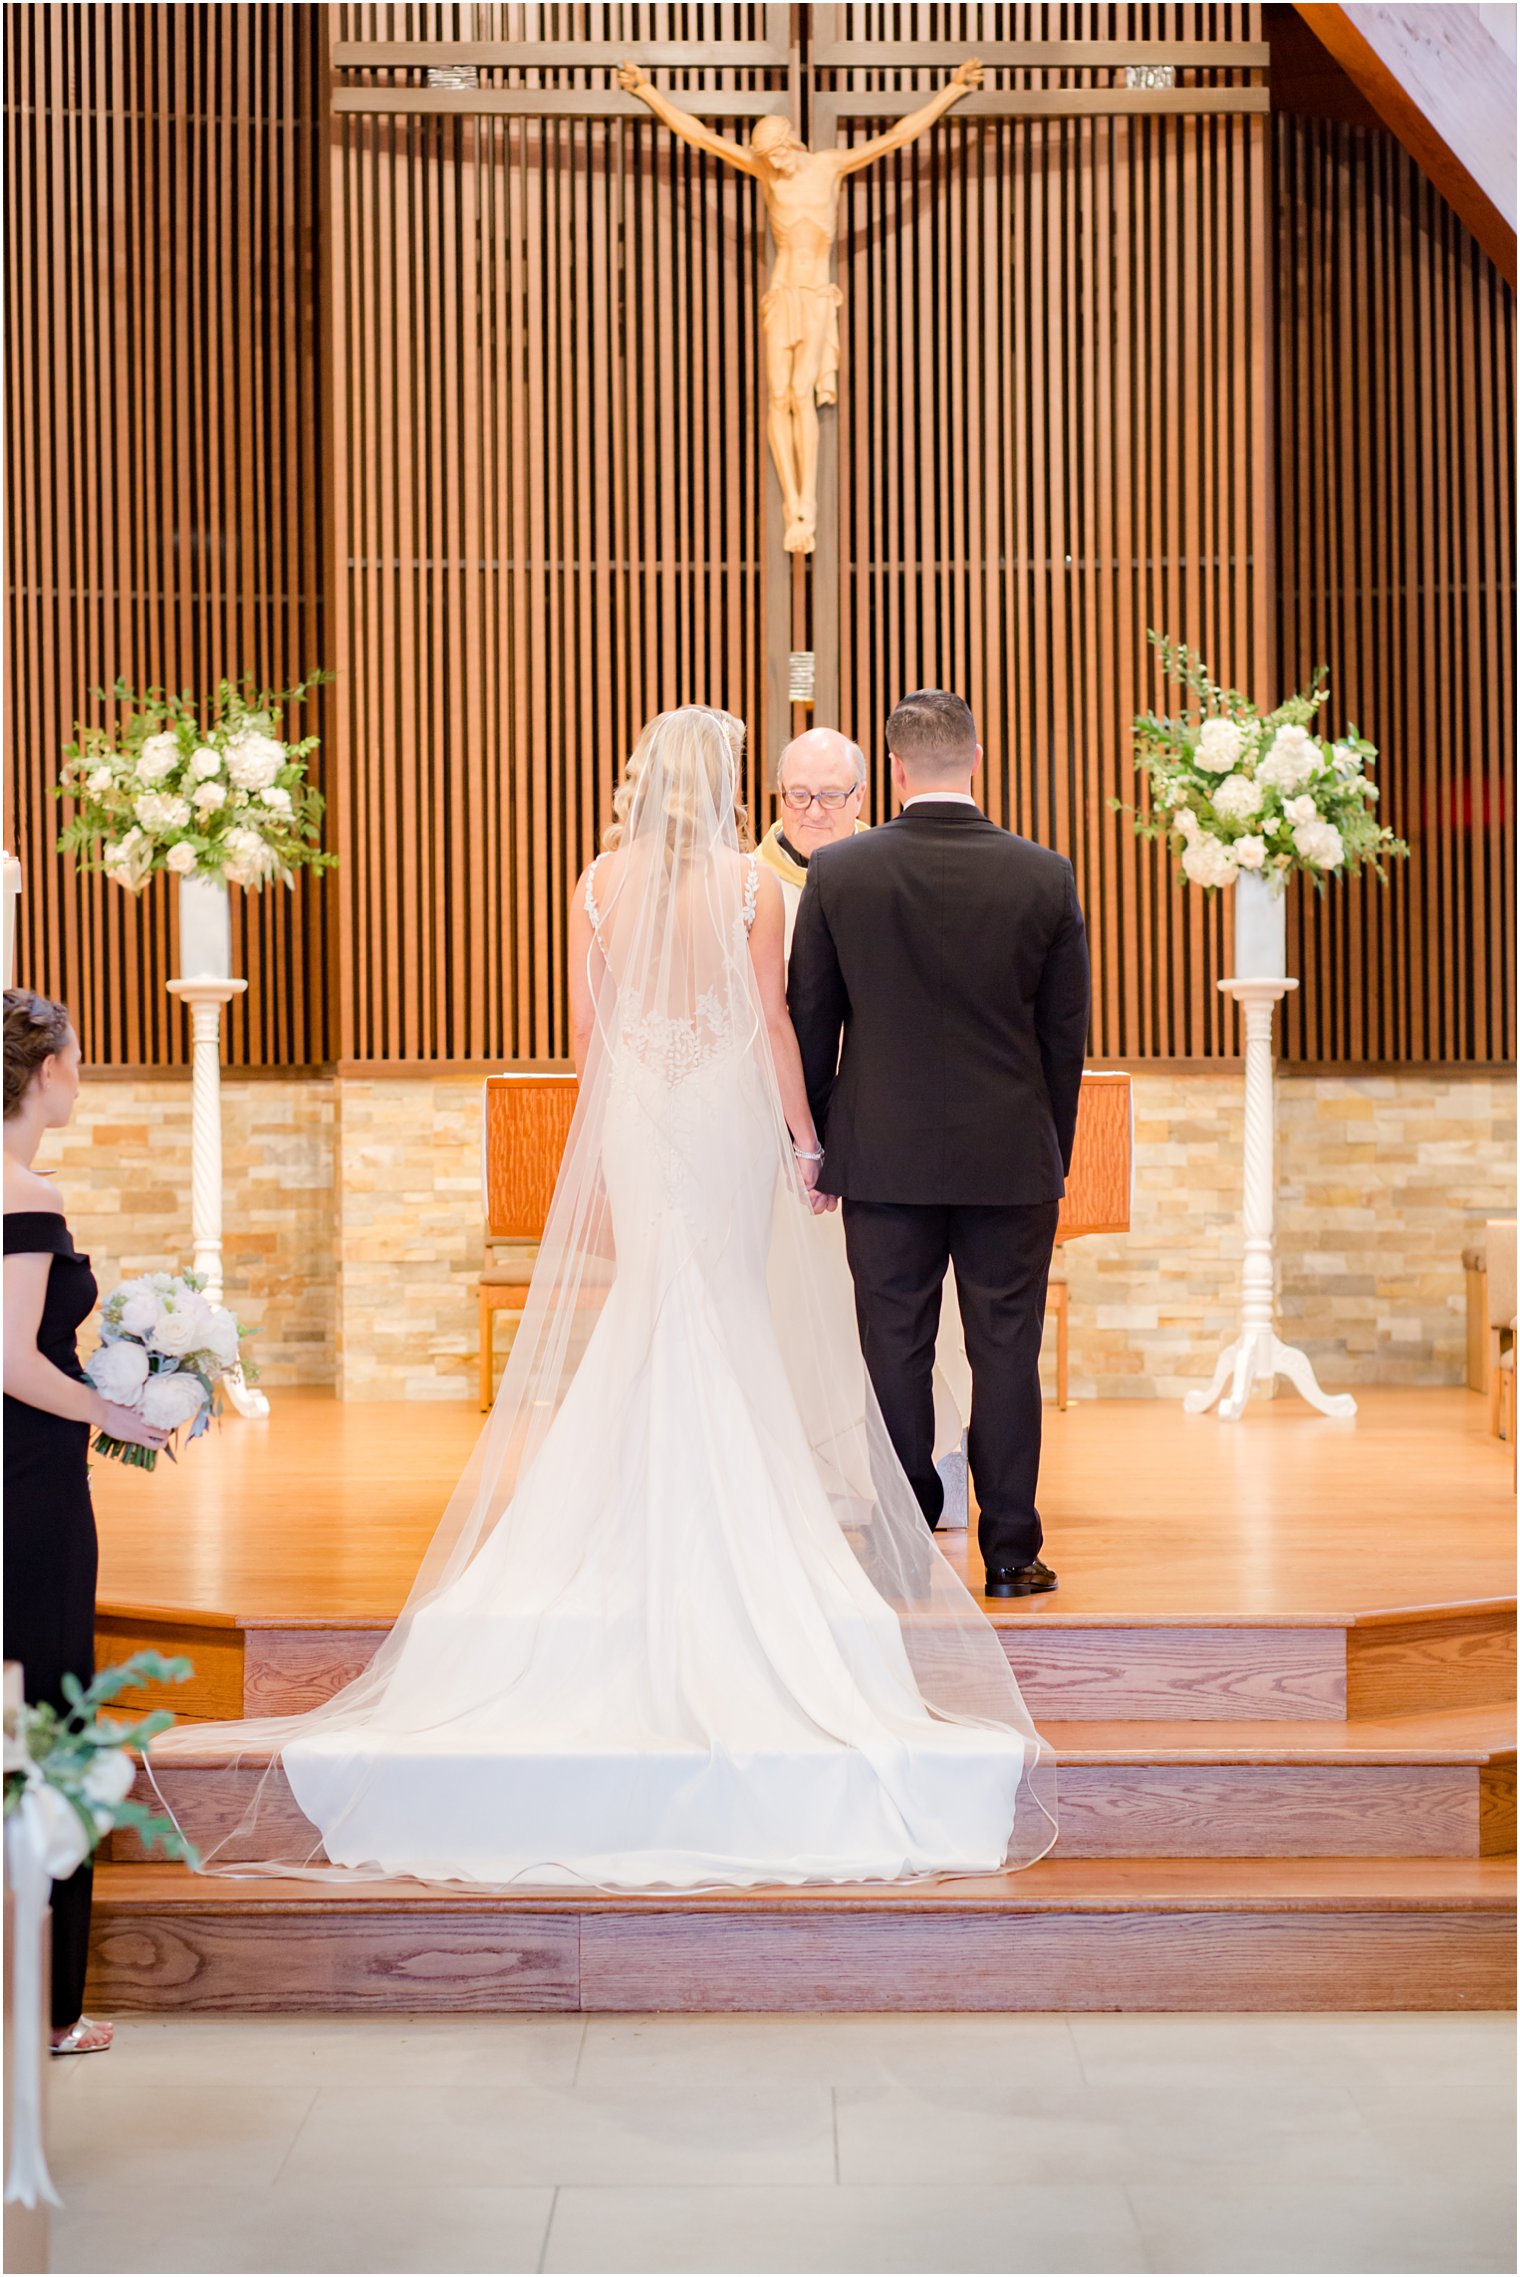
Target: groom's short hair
<point>932,732</point>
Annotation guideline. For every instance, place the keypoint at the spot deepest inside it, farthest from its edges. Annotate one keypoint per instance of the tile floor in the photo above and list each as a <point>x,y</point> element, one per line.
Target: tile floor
<point>869,2143</point>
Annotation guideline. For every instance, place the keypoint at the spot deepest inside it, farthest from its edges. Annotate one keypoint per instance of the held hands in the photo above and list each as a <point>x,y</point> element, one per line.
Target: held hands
<point>125,1424</point>
<point>967,75</point>
<point>819,1204</point>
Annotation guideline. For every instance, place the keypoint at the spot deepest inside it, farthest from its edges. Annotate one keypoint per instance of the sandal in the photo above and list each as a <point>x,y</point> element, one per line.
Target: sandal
<point>86,2038</point>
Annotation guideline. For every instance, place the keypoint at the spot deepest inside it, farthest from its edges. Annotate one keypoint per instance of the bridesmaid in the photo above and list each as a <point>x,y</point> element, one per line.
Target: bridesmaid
<point>50,1546</point>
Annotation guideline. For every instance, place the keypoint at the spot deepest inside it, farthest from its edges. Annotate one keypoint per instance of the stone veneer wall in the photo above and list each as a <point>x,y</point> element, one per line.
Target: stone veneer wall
<point>353,1222</point>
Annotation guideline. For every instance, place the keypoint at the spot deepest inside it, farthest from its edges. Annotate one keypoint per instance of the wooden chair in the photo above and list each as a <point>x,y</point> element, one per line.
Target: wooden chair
<point>526,1122</point>
<point>1500,1249</point>
<point>1097,1192</point>
<point>1475,1282</point>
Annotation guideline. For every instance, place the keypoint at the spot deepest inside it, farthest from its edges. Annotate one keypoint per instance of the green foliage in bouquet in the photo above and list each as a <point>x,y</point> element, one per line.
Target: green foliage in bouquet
<point>1235,789</point>
<point>207,789</point>
<point>86,1759</point>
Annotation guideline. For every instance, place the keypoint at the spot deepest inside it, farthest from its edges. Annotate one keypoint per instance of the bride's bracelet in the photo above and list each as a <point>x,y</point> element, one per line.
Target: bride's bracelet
<point>803,1155</point>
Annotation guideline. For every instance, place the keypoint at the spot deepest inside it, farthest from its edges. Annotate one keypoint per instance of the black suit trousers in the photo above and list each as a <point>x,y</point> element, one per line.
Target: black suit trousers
<point>898,1253</point>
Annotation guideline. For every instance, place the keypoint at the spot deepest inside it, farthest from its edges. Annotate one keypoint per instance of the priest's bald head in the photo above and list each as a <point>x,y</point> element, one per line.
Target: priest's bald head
<point>822,780</point>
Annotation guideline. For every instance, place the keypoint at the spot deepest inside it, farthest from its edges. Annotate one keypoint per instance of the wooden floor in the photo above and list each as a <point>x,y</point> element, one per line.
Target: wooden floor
<point>1279,1677</point>
<point>324,1511</point>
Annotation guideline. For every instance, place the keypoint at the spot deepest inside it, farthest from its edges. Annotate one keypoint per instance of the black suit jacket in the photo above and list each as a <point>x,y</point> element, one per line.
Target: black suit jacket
<point>952,957</point>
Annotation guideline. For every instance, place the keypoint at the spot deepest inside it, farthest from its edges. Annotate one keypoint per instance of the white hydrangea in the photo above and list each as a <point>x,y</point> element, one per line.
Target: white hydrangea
<point>158,757</point>
<point>207,797</point>
<point>254,760</point>
<point>276,799</point>
<point>1320,843</point>
<point>204,763</point>
<point>1250,853</point>
<point>1219,746</point>
<point>1208,862</point>
<point>161,810</point>
<point>118,1372</point>
<point>171,1401</point>
<point>1293,760</point>
<point>1187,823</point>
<point>180,858</point>
<point>101,779</point>
<point>1237,798</point>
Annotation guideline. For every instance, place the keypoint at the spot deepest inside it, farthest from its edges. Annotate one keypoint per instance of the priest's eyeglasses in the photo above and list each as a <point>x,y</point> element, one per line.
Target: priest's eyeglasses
<point>799,801</point>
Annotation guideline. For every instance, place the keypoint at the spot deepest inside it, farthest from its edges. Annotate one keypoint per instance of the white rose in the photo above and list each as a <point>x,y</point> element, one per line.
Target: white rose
<point>254,760</point>
<point>222,1339</point>
<point>100,780</point>
<point>118,1372</point>
<point>171,1401</point>
<point>1292,761</point>
<point>1219,745</point>
<point>207,797</point>
<point>1320,843</point>
<point>138,1315</point>
<point>162,810</point>
<point>1300,809</point>
<point>178,1331</point>
<point>1237,798</point>
<point>204,762</point>
<point>1250,853</point>
<point>1208,863</point>
<point>158,757</point>
<point>180,859</point>
<point>276,798</point>
<point>110,1776</point>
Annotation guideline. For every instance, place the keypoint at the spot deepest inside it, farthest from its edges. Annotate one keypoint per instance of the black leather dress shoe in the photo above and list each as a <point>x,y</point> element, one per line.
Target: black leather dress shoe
<point>1033,1580</point>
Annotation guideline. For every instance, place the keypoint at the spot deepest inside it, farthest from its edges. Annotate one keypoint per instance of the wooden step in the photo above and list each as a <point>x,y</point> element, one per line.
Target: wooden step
<point>1071,1668</point>
<point>1065,1935</point>
<point>1438,1786</point>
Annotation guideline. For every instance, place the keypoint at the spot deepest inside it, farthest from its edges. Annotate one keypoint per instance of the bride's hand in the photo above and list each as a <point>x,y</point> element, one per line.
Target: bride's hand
<point>821,1204</point>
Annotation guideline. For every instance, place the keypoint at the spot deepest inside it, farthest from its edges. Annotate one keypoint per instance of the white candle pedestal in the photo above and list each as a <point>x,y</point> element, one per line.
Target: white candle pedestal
<point>205,998</point>
<point>1258,1356</point>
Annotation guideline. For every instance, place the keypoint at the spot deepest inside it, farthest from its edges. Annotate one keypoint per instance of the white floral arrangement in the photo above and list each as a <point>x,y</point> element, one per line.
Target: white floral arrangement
<point>229,799</point>
<point>74,1767</point>
<point>164,1351</point>
<point>1235,789</point>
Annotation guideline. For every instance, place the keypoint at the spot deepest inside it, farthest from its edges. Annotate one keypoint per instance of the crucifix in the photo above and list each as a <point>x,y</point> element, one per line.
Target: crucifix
<point>799,315</point>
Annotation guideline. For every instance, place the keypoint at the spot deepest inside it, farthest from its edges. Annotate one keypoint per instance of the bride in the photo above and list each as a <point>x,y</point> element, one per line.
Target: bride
<point>682,1625</point>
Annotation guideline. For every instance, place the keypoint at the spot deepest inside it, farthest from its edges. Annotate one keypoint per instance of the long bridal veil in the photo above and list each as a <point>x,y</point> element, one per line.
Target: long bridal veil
<point>681,1623</point>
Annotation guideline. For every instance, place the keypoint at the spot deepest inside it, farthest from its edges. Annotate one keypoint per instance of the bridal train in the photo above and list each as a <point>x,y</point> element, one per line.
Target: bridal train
<point>682,1625</point>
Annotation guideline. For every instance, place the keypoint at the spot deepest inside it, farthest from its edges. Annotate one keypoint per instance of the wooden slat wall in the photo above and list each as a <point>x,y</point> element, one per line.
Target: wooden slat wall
<point>1244,378</point>
<point>1395,472</point>
<point>163,478</point>
<point>547,517</point>
<point>1055,406</point>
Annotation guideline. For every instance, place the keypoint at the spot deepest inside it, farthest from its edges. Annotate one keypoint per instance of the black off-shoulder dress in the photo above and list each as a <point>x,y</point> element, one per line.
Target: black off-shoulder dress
<point>51,1551</point>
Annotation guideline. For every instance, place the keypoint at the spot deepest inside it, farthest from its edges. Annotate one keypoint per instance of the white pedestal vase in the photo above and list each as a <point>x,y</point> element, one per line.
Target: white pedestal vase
<point>207,985</point>
<point>1257,1354</point>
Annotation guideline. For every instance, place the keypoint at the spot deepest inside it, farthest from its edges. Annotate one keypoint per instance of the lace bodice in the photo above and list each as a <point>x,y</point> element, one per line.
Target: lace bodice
<point>674,1047</point>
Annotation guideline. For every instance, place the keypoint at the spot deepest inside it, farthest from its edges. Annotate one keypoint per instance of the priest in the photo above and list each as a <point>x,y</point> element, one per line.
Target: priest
<point>821,779</point>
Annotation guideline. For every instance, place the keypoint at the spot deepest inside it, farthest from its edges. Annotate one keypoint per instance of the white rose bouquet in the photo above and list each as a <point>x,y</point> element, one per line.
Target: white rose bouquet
<point>1235,790</point>
<point>164,1351</point>
<point>74,1769</point>
<point>227,800</point>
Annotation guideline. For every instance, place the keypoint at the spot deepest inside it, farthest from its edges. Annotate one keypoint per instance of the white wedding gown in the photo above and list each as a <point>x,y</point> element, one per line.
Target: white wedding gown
<point>688,1628</point>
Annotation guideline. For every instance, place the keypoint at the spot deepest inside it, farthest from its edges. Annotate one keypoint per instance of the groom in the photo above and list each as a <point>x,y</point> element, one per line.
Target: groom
<point>952,958</point>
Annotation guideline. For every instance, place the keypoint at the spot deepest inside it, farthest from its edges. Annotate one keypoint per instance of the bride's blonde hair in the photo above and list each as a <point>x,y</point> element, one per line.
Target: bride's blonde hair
<point>698,747</point>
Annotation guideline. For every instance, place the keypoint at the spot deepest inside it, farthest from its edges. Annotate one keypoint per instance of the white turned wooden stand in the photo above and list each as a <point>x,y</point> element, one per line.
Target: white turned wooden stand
<point>205,998</point>
<point>1258,1355</point>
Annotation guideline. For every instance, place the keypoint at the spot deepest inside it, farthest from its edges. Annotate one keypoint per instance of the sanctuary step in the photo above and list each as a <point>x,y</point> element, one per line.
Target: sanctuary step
<point>1070,1667</point>
<point>1436,1786</point>
<point>1067,1934</point>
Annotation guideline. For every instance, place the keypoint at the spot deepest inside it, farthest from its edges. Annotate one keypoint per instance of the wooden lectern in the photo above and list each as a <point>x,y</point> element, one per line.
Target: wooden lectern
<point>527,1120</point>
